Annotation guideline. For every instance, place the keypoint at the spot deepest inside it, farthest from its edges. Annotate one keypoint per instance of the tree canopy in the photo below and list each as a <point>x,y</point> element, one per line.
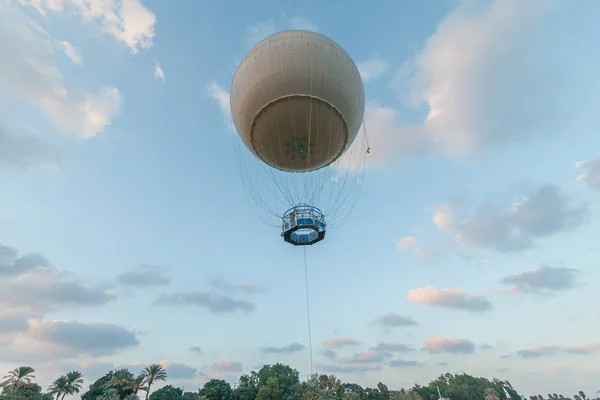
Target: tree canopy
<point>271,382</point>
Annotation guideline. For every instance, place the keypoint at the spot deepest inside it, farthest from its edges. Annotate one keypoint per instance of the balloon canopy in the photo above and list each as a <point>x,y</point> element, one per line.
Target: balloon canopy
<point>297,101</point>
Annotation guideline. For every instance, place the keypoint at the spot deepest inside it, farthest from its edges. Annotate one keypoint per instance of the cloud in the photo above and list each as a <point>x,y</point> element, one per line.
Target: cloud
<point>328,353</point>
<point>403,363</point>
<point>369,356</point>
<point>393,347</point>
<point>23,148</point>
<point>226,366</point>
<point>30,282</point>
<point>144,276</point>
<point>30,288</point>
<point>196,349</point>
<point>435,345</point>
<point>46,290</point>
<point>71,52</point>
<point>542,280</point>
<point>442,218</point>
<point>243,287</point>
<point>290,348</point>
<point>345,369</point>
<point>213,302</point>
<point>514,221</point>
<point>301,23</point>
<point>373,68</point>
<point>12,322</point>
<point>411,244</point>
<point>128,21</point>
<point>177,370</point>
<point>338,343</point>
<point>92,339</point>
<point>218,93</point>
<point>158,72</point>
<point>257,32</point>
<point>482,86</point>
<point>32,75</point>
<point>591,174</point>
<point>541,351</point>
<point>392,320</point>
<point>448,298</point>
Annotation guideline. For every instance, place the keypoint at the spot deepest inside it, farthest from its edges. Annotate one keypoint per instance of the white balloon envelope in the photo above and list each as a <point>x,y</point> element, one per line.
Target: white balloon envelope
<point>297,103</point>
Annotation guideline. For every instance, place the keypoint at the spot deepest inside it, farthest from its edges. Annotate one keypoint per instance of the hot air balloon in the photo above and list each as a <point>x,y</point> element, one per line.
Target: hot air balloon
<point>297,102</point>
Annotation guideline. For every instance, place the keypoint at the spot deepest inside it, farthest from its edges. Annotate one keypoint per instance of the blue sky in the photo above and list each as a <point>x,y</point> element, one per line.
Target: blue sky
<point>116,166</point>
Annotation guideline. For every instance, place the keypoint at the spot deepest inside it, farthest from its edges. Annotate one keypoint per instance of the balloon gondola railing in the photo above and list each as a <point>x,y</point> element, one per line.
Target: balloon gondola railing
<point>303,225</point>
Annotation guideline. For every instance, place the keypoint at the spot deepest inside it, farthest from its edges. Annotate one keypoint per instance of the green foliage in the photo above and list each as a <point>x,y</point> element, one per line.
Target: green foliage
<point>404,395</point>
<point>217,389</point>
<point>24,391</point>
<point>167,393</point>
<point>269,391</point>
<point>97,388</point>
<point>247,388</point>
<point>490,394</point>
<point>17,377</point>
<point>152,374</point>
<point>190,396</point>
<point>271,382</point>
<point>288,381</point>
<point>466,387</point>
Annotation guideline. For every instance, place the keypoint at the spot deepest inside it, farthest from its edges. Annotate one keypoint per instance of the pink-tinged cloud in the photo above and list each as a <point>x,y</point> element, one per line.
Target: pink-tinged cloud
<point>435,345</point>
<point>541,351</point>
<point>443,218</point>
<point>369,357</point>
<point>338,343</point>
<point>412,245</point>
<point>448,298</point>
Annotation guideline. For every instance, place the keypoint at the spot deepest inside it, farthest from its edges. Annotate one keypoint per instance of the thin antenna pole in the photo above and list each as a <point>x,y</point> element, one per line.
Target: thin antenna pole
<point>308,313</point>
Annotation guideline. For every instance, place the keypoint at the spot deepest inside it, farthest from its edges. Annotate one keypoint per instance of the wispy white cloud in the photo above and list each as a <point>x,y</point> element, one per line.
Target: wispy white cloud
<point>221,96</point>
<point>590,174</point>
<point>71,52</point>
<point>158,71</point>
<point>482,86</point>
<point>411,244</point>
<point>373,68</point>
<point>30,73</point>
<point>128,21</point>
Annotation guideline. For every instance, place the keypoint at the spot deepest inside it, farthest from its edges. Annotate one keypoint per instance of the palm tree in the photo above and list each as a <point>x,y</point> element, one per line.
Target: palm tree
<point>153,373</point>
<point>18,377</point>
<point>59,387</point>
<point>138,384</point>
<point>120,379</point>
<point>110,394</point>
<point>74,382</point>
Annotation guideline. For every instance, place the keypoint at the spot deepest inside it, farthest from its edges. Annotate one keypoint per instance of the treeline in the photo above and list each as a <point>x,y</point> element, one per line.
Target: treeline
<point>271,382</point>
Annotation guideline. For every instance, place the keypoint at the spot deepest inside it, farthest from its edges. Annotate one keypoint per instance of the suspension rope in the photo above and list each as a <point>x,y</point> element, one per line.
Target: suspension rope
<point>308,313</point>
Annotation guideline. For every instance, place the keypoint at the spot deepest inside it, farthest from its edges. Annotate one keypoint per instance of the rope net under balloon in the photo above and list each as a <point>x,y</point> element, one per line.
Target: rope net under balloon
<point>333,189</point>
